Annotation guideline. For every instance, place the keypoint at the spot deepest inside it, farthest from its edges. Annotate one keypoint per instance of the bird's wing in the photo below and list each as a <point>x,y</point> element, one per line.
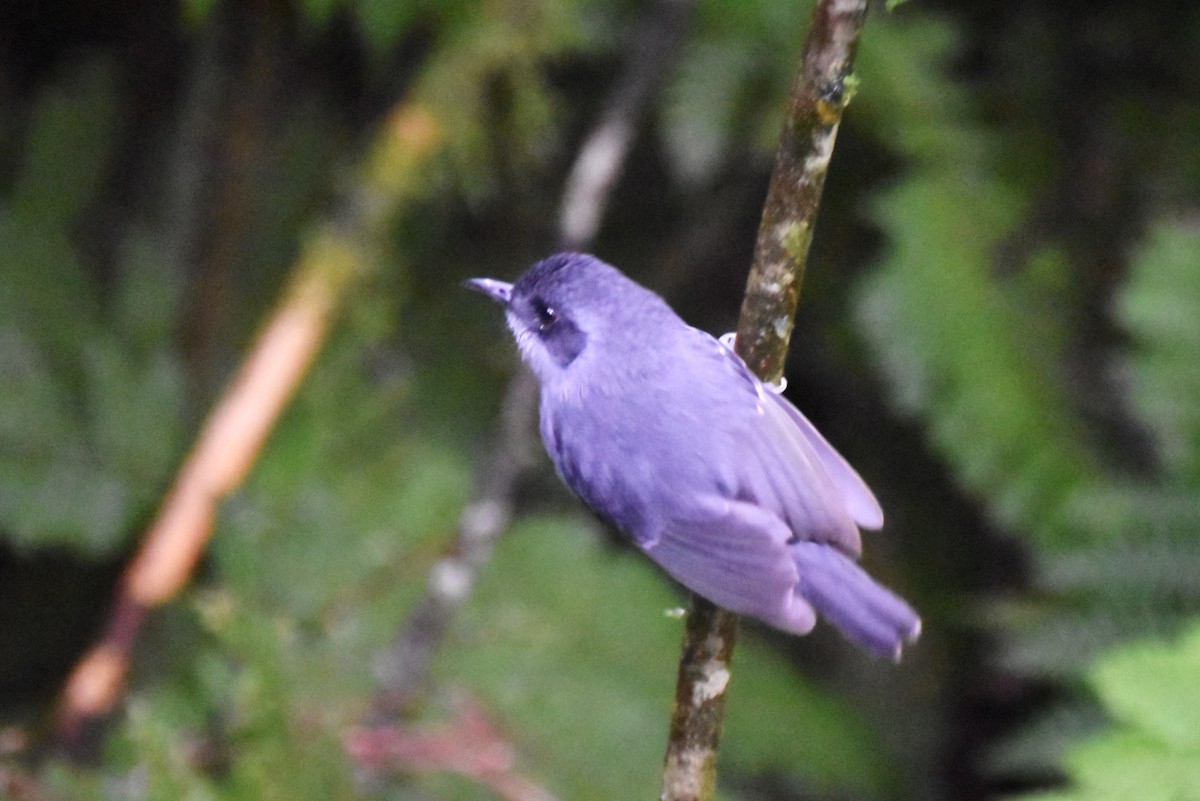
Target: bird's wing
<point>857,497</point>
<point>785,466</point>
<point>735,554</point>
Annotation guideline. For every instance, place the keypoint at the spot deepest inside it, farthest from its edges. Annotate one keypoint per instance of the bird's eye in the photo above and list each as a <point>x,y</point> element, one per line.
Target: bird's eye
<point>546,314</point>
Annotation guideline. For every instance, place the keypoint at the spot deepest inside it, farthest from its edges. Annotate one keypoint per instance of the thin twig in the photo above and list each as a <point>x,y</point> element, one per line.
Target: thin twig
<point>405,666</point>
<point>603,153</point>
<point>585,196</point>
<point>763,333</point>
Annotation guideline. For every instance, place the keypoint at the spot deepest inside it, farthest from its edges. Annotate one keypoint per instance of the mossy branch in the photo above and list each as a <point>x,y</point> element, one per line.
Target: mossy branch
<point>822,91</point>
<point>819,97</point>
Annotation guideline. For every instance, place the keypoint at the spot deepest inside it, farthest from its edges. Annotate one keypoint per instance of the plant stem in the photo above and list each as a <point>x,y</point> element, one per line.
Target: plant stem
<point>823,89</point>
<point>690,767</point>
<point>819,97</point>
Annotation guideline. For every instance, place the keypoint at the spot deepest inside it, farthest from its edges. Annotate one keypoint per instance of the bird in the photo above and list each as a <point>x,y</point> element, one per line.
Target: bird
<point>664,432</point>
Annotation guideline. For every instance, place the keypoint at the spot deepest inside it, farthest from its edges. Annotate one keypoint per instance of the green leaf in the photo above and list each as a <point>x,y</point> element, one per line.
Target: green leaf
<point>1125,765</point>
<point>1157,569</point>
<point>974,337</point>
<point>1151,750</point>
<point>90,415</point>
<point>965,350</point>
<point>962,354</point>
<point>1153,687</point>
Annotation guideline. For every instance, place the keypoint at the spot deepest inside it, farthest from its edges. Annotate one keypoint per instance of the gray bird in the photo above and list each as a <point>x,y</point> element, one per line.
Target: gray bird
<point>664,431</point>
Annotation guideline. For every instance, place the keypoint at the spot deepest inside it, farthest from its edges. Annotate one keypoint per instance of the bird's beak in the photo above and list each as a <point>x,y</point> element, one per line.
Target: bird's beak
<point>498,291</point>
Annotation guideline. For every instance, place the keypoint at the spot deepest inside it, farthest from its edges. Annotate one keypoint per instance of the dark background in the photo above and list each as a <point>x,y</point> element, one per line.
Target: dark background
<point>999,328</point>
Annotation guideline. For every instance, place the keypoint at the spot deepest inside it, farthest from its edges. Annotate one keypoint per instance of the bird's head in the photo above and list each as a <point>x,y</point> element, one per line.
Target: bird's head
<point>567,306</point>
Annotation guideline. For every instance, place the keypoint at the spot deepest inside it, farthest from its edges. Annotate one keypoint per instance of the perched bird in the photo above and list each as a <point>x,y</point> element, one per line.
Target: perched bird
<point>664,431</point>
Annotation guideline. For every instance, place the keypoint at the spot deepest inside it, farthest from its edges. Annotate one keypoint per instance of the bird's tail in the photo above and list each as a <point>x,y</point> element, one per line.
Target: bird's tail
<point>865,612</point>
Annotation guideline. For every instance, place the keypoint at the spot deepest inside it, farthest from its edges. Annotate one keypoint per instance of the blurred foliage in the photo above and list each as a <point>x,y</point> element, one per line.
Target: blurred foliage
<point>1032,306</point>
<point>738,61</point>
<point>1159,310</point>
<point>980,349</point>
<point>1152,748</point>
<point>318,555</point>
<point>90,413</point>
<point>958,345</point>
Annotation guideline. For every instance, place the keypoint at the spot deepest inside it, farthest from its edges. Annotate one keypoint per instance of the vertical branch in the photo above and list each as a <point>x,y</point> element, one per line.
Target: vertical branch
<point>690,767</point>
<point>819,97</point>
<point>822,90</point>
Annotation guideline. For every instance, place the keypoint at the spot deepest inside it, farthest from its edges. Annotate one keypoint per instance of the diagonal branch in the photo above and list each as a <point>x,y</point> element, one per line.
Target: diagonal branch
<point>404,668</point>
<point>233,435</point>
<point>588,187</point>
<point>602,155</point>
<point>819,97</point>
